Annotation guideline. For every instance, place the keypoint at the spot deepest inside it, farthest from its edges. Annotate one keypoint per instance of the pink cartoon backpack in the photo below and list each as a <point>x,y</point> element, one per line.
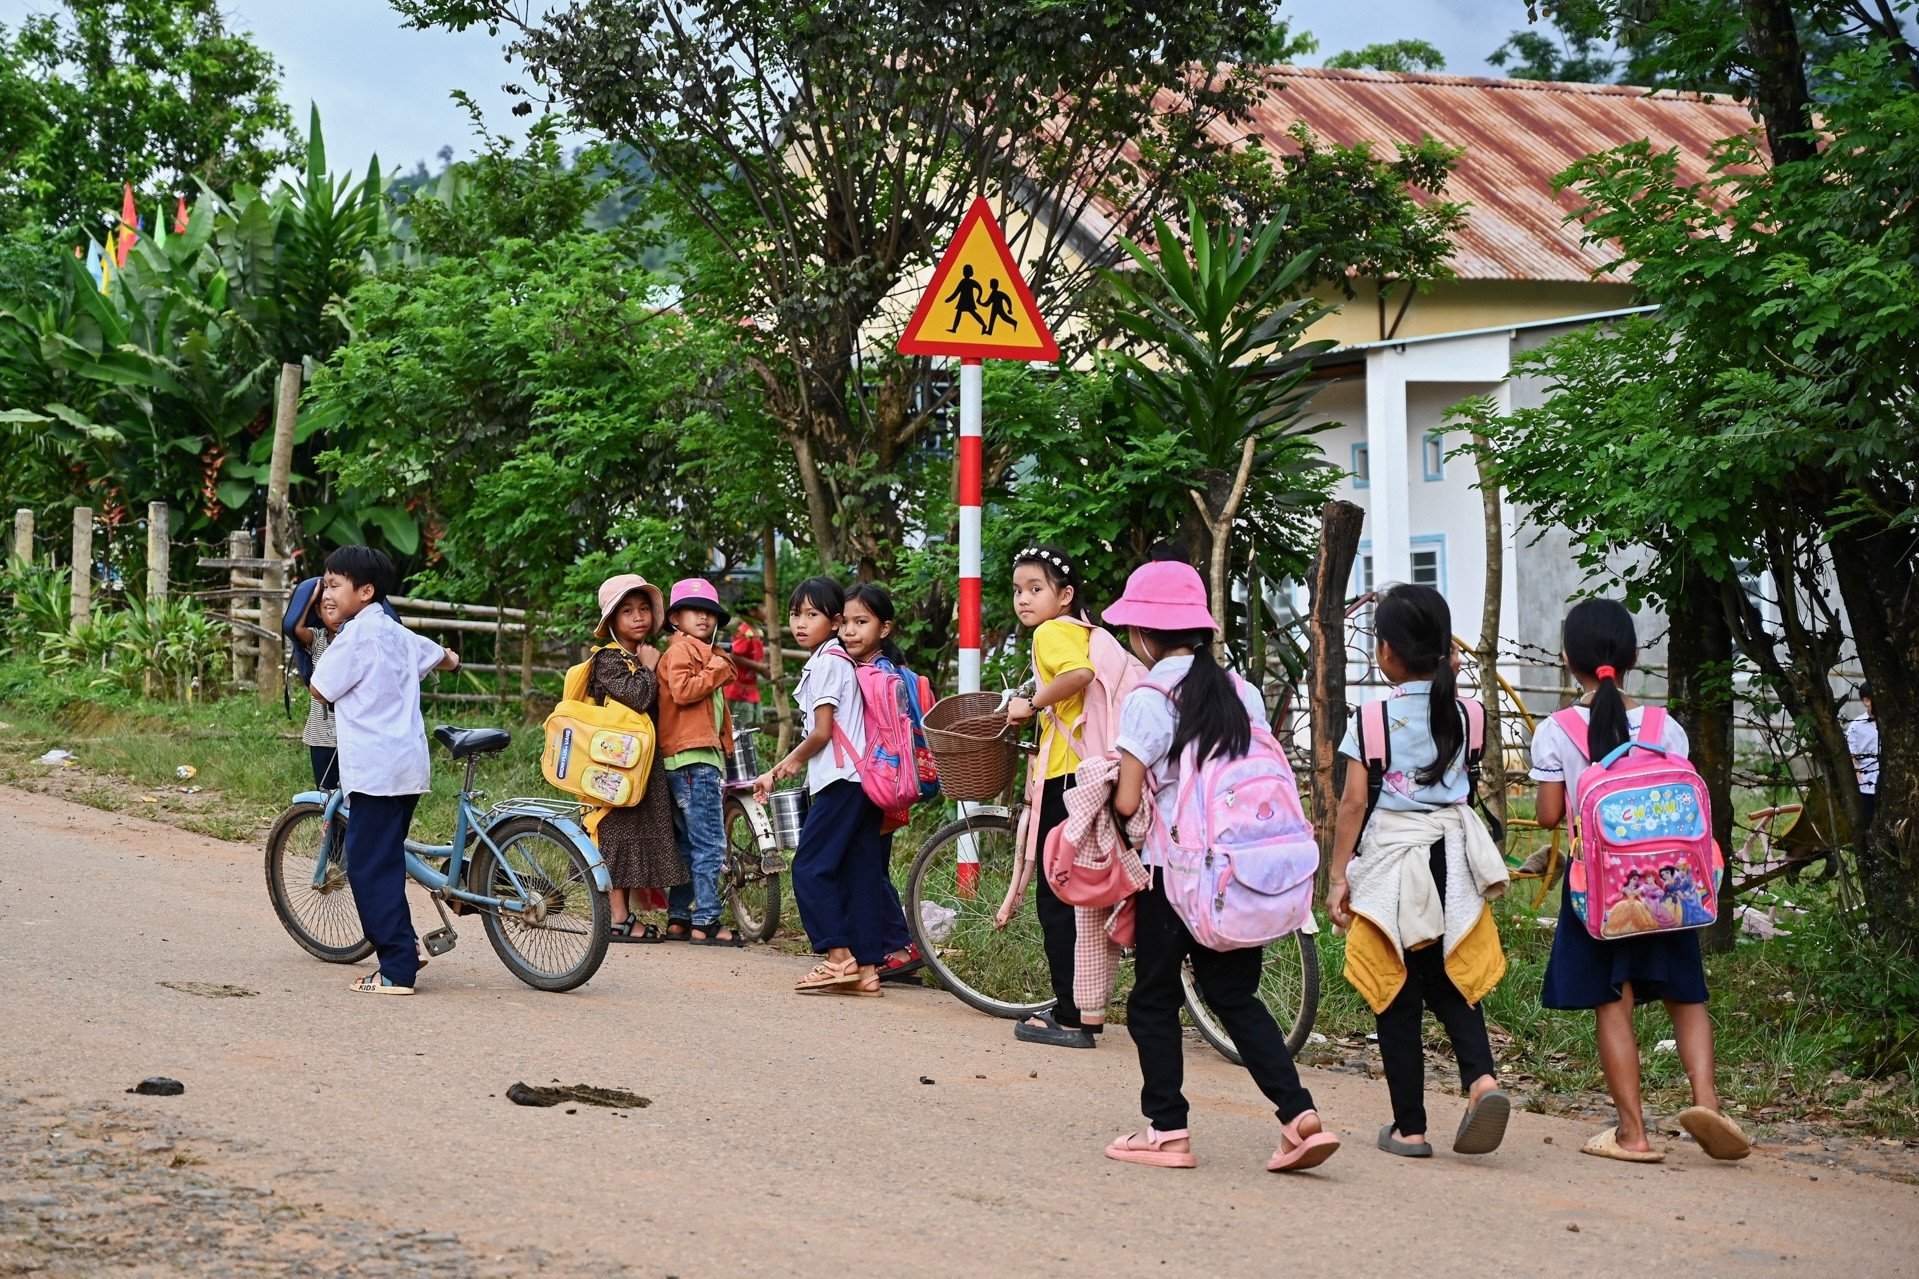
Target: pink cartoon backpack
<point>1239,853</point>
<point>1643,858</point>
<point>889,767</point>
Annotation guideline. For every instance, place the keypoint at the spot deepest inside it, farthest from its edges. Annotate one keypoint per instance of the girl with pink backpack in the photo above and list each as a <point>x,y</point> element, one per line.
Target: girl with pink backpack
<point>1076,702</point>
<point>1613,976</point>
<point>1175,730</point>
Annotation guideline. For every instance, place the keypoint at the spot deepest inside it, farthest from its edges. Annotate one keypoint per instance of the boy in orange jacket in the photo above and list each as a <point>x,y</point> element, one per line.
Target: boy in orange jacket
<point>695,729</point>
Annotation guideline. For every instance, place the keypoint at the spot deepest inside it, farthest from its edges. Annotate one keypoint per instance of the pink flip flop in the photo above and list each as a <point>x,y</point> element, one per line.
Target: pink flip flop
<point>1302,1153</point>
<point>1123,1149</point>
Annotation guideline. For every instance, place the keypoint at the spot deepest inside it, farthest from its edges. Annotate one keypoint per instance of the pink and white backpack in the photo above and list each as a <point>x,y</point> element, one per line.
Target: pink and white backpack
<point>1643,858</point>
<point>1238,854</point>
<point>889,766</point>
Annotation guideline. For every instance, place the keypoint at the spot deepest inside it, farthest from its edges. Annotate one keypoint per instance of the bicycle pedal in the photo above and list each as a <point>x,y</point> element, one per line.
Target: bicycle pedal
<point>440,941</point>
<point>772,864</point>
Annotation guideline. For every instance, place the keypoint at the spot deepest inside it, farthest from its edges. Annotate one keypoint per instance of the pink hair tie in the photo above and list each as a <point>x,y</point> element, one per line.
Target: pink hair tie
<point>1606,672</point>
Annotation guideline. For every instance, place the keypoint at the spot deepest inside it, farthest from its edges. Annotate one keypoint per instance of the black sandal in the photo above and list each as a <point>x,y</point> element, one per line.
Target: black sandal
<point>1052,1033</point>
<point>678,930</point>
<point>623,931</point>
<point>712,938</point>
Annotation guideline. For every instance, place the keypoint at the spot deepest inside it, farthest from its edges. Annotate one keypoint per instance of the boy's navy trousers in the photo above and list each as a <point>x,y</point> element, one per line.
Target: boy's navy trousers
<point>839,874</point>
<point>376,867</point>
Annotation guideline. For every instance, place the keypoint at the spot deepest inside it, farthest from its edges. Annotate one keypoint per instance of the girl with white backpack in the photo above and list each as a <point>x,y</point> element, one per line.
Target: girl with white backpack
<point>1189,727</point>
<point>1080,673</point>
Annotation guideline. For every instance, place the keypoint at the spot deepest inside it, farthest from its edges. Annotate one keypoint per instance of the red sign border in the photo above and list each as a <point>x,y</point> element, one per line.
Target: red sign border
<point>980,211</point>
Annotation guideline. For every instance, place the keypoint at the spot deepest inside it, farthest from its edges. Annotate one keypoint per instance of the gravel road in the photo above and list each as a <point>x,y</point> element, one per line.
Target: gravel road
<point>327,1133</point>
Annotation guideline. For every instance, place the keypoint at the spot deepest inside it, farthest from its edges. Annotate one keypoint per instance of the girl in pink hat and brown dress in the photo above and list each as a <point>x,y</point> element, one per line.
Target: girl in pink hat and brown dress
<point>642,856</point>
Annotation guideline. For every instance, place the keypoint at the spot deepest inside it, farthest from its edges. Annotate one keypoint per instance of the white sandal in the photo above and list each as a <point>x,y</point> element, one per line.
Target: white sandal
<point>377,984</point>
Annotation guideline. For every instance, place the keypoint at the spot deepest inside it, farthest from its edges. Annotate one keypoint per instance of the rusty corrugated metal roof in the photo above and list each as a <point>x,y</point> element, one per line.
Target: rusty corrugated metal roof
<point>1517,135</point>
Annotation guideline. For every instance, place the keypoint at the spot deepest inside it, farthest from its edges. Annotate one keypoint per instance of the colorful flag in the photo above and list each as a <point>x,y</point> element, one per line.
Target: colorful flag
<point>129,223</point>
<point>180,216</point>
<point>93,263</point>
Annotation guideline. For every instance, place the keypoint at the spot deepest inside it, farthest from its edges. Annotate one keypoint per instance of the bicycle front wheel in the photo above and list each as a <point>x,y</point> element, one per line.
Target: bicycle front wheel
<point>557,940</point>
<point>1288,986</point>
<point>317,909</point>
<point>954,890</point>
<point>753,894</point>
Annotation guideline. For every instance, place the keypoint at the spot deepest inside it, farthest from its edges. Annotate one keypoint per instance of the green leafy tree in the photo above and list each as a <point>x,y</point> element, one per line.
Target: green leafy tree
<point>1766,420</point>
<point>158,93</point>
<point>1578,50</point>
<point>1220,364</point>
<point>1396,55</point>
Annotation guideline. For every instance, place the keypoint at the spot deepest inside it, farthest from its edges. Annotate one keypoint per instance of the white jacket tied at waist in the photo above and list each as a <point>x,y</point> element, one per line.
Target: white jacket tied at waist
<point>1390,880</point>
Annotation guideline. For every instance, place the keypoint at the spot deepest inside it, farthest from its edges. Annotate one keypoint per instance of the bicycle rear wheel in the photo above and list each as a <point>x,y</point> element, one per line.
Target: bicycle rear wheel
<point>1288,986</point>
<point>559,939</point>
<point>320,916</point>
<point>950,907</point>
<point>753,894</point>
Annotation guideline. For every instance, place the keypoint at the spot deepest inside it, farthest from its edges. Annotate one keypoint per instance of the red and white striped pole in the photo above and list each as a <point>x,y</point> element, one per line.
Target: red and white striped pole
<point>970,457</point>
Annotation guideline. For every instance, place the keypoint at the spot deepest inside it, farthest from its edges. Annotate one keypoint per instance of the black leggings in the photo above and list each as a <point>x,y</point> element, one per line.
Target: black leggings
<point>1230,982</point>
<point>1400,1045</point>
<point>1056,926</point>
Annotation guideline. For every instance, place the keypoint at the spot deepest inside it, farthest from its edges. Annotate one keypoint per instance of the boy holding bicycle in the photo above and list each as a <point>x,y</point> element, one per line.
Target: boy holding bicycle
<point>370,674</point>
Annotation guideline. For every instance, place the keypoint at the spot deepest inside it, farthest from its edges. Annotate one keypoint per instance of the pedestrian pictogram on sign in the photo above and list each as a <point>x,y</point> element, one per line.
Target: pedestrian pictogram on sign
<point>977,305</point>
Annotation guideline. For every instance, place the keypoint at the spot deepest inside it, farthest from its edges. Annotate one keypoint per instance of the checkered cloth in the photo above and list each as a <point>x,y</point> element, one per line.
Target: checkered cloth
<point>1099,930</point>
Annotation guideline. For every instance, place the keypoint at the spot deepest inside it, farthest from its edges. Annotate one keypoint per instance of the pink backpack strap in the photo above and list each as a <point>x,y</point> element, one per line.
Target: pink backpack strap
<point>1652,725</point>
<point>1574,728</point>
<point>843,753</point>
<point>1375,743</point>
<point>1475,729</point>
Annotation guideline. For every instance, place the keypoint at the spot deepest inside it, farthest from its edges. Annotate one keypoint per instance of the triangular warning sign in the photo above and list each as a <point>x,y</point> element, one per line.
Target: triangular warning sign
<point>977,305</point>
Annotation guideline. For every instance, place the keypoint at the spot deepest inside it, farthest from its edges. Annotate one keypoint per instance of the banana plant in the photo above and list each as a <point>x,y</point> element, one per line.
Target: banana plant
<point>1220,360</point>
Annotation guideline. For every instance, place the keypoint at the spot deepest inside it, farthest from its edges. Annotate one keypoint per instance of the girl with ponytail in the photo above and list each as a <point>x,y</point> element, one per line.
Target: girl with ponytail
<point>1189,700</point>
<point>1611,977</point>
<point>1413,878</point>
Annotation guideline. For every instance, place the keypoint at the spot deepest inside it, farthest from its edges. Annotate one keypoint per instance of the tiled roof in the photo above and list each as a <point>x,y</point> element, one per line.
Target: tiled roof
<point>1517,135</point>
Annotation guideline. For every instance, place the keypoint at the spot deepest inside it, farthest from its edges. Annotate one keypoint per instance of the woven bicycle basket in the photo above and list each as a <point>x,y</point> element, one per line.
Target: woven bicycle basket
<point>973,745</point>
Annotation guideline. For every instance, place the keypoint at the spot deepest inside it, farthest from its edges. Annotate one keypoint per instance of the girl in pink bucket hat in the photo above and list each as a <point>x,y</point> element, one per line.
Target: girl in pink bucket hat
<point>1188,700</point>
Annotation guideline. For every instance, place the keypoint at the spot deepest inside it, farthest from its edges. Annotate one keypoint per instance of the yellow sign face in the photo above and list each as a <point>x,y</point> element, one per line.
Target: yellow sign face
<point>978,305</point>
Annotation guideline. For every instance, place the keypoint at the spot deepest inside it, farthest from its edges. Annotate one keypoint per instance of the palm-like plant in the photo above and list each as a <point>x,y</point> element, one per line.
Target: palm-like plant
<point>1221,363</point>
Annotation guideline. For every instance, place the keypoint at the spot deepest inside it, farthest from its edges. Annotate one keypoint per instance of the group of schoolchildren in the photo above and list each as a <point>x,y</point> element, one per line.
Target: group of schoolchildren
<point>1413,872</point>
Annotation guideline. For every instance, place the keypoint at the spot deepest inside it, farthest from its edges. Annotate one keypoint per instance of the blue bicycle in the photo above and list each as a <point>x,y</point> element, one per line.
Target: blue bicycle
<point>525,866</point>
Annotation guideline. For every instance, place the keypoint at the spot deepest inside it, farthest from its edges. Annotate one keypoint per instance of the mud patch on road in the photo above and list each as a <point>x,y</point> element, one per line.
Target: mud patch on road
<point>98,1188</point>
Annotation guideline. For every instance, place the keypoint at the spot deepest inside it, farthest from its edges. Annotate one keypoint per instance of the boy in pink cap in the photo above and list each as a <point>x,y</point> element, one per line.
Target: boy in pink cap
<point>694,726</point>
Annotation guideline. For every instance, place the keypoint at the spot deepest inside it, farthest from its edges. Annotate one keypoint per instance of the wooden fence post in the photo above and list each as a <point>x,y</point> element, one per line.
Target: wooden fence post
<point>159,552</point>
<point>23,536</point>
<point>82,584</point>
<point>240,644</point>
<point>271,671</point>
<point>1340,524</point>
<point>526,664</point>
<point>775,660</point>
<point>1492,512</point>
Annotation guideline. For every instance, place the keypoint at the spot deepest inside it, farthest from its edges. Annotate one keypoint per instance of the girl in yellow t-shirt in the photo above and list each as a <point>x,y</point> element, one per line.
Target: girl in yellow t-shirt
<point>1047,591</point>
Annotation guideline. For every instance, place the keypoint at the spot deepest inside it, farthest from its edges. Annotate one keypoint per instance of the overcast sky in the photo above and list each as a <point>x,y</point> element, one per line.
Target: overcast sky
<point>383,88</point>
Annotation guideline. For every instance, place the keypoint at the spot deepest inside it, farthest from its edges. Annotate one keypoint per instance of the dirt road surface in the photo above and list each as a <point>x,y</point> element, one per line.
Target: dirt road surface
<point>323,1132</point>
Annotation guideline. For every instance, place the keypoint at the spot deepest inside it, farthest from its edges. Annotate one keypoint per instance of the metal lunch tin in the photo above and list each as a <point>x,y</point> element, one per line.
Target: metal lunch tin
<point>789,814</point>
<point>743,761</point>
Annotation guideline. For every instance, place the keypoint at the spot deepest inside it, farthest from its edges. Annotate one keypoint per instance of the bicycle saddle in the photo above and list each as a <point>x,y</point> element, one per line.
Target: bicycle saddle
<point>461,742</point>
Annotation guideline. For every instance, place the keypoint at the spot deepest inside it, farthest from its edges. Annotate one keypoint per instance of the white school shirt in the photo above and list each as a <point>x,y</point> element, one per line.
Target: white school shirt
<point>1147,724</point>
<point>828,680</point>
<point>371,672</point>
<point>1409,736</point>
<point>1862,739</point>
<point>1557,759</point>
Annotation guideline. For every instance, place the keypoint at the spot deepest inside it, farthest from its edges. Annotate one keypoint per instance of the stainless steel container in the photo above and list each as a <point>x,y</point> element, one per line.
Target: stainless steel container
<point>789,814</point>
<point>743,761</point>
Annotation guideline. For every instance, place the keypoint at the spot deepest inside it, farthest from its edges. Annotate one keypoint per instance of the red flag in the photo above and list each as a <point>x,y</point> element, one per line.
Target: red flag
<point>180,216</point>
<point>129,219</point>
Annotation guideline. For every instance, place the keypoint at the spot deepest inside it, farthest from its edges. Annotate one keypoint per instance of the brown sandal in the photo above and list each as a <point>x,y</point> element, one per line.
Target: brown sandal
<point>828,976</point>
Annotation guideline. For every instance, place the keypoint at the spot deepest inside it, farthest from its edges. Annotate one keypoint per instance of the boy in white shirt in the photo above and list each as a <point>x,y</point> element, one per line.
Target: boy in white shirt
<point>370,674</point>
<point>1862,739</point>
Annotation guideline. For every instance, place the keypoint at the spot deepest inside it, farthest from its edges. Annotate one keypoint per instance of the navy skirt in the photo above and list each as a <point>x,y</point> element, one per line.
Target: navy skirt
<point>1585,972</point>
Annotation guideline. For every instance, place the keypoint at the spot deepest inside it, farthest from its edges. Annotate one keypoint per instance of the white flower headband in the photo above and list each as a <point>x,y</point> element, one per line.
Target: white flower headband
<point>1037,553</point>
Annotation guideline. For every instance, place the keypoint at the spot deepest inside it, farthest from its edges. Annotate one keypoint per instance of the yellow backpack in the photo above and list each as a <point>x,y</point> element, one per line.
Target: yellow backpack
<point>600,752</point>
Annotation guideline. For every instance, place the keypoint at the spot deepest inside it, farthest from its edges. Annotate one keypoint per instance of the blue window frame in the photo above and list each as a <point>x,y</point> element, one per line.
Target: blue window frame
<point>1429,561</point>
<point>1362,467</point>
<point>1432,452</point>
